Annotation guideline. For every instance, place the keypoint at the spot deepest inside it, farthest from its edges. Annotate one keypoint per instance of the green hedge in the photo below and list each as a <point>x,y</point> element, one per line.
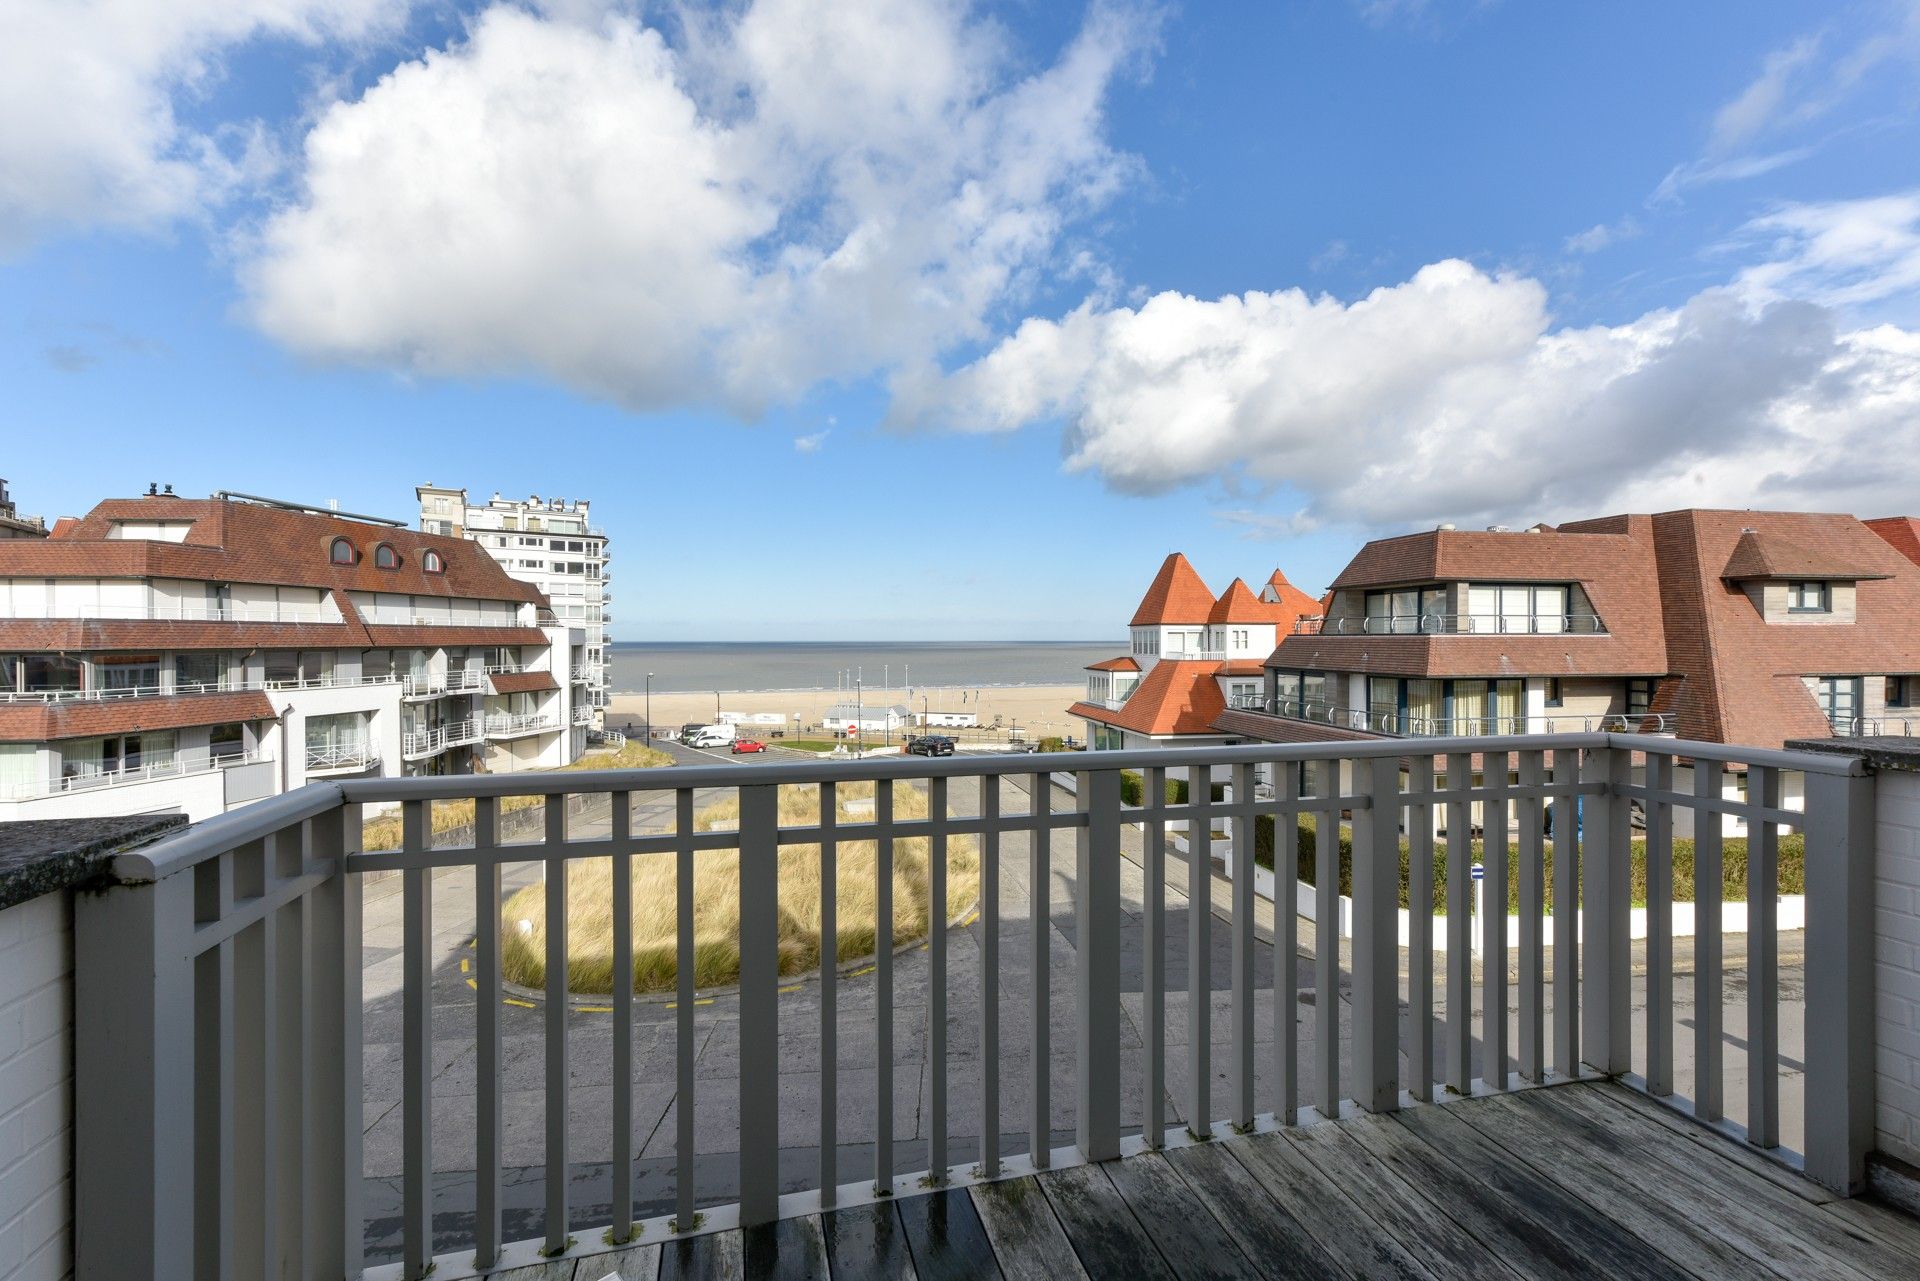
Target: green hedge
<point>1133,788</point>
<point>1053,743</point>
<point>1733,865</point>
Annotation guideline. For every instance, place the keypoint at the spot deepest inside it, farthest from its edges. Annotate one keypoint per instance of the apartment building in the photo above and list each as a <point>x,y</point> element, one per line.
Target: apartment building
<point>165,653</point>
<point>1748,627</point>
<point>550,543</point>
<point>13,524</point>
<point>1193,656</point>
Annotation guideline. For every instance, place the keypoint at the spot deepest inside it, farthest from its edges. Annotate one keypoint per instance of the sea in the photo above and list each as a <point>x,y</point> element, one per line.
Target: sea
<point>691,666</point>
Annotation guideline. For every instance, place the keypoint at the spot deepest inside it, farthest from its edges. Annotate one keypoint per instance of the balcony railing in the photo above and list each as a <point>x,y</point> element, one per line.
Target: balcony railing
<point>502,726</point>
<point>1455,625</point>
<point>191,687</point>
<point>429,742</point>
<point>583,715</point>
<point>222,1135</point>
<point>1391,722</point>
<point>434,684</point>
<point>341,756</point>
<point>399,616</point>
<point>1877,726</point>
<point>183,765</point>
<point>168,612</point>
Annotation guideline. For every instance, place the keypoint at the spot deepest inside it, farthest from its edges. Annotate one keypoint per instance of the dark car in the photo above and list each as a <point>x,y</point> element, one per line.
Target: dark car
<point>931,745</point>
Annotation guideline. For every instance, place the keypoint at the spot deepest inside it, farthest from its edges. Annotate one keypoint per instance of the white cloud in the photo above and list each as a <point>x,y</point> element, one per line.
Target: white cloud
<point>797,193</point>
<point>1707,171</point>
<point>1601,235</point>
<point>811,443</point>
<point>88,129</point>
<point>1757,107</point>
<point>1842,254</point>
<point>1452,396</point>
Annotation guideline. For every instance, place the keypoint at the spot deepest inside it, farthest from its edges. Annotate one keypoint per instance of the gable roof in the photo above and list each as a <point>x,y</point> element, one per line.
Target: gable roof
<point>241,542</point>
<point>1297,603</point>
<point>1177,595</point>
<point>1772,553</point>
<point>1121,664</point>
<point>1238,604</point>
<point>1902,533</point>
<point>1175,697</point>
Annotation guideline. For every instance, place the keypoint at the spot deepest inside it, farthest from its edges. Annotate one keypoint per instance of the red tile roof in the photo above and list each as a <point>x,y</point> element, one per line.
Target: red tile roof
<point>107,635</point>
<point>1122,664</point>
<point>240,542</point>
<point>395,637</point>
<point>1243,667</point>
<point>1902,532</point>
<point>1174,697</point>
<point>1238,604</point>
<point>1296,602</point>
<point>45,722</point>
<point>522,682</point>
<point>1771,553</point>
<point>1177,595</point>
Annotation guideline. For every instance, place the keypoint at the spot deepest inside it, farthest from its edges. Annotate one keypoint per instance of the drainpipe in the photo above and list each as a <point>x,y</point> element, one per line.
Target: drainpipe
<point>286,748</point>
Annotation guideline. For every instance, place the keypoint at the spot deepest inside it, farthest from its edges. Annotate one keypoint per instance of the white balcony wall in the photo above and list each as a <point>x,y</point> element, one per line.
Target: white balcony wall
<point>289,741</point>
<point>36,1087</point>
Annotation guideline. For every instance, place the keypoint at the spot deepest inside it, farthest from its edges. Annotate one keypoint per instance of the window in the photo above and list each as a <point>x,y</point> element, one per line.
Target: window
<point>1809,598</point>
<point>46,672</point>
<point>342,553</point>
<point>1639,696</point>
<point>1840,700</point>
<point>1899,689</point>
<point>432,564</point>
<point>303,666</point>
<point>198,671</point>
<point>1522,609</point>
<point>226,742</point>
<point>376,664</point>
<point>384,557</point>
<point>1555,698</point>
<point>129,672</point>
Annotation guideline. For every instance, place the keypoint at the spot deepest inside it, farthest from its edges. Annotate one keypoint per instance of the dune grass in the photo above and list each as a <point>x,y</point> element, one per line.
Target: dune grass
<point>383,833</point>
<point>716,897</point>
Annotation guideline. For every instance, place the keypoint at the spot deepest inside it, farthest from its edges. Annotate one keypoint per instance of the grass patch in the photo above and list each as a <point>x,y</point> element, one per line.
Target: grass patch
<point>1733,866</point>
<point>826,744</point>
<point>384,833</point>
<point>716,901</point>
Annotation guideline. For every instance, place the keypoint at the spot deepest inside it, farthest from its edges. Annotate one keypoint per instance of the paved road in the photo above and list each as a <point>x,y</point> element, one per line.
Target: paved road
<point>716,1038</point>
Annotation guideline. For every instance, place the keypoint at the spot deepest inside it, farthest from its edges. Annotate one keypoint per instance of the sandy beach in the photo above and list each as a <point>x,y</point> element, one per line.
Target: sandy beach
<point>1038,709</point>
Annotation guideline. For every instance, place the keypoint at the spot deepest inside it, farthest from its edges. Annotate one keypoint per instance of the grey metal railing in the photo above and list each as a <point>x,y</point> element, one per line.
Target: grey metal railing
<point>1448,624</point>
<point>218,997</point>
<point>1393,722</point>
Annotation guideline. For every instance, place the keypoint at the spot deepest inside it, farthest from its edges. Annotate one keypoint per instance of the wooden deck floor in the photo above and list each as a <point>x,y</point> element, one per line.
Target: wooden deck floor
<point>1573,1181</point>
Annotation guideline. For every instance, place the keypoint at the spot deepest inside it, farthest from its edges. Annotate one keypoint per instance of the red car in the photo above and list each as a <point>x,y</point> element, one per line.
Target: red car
<point>748,745</point>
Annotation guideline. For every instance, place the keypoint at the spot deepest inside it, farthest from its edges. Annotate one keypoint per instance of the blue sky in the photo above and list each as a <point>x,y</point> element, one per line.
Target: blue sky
<point>928,321</point>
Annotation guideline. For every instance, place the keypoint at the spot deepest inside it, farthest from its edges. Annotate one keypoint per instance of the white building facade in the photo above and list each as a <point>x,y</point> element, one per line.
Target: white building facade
<point>165,654</point>
<point>551,543</point>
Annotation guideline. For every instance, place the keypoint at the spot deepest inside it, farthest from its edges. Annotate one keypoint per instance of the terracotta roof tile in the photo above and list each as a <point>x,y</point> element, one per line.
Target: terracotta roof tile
<point>46,722</point>
<point>522,682</point>
<point>1770,553</point>
<point>1122,664</point>
<point>1238,604</point>
<point>1177,595</point>
<point>1902,533</point>
<point>1296,602</point>
<point>1174,697</point>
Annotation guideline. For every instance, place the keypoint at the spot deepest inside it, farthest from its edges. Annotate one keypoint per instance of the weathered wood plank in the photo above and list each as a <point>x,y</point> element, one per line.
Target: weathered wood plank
<point>1272,1238</point>
<point>636,1263</point>
<point>1104,1233</point>
<point>946,1237</point>
<point>1894,1229</point>
<point>1692,1131</point>
<point>715,1257</point>
<point>866,1241</point>
<point>1470,1203</point>
<point>1351,1234</point>
<point>1566,1220</point>
<point>1808,1241</point>
<point>1661,1213</point>
<point>1027,1238</point>
<point>1178,1221</point>
<point>785,1250</point>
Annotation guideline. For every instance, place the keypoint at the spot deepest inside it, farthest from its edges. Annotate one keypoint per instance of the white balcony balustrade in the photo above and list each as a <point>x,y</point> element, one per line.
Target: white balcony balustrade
<point>430,742</point>
<point>341,757</point>
<point>222,1133</point>
<point>177,688</point>
<point>500,725</point>
<point>470,680</point>
<point>179,765</point>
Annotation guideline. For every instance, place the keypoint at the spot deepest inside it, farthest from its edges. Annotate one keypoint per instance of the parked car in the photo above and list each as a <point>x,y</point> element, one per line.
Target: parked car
<point>930,745</point>
<point>741,745</point>
<point>710,736</point>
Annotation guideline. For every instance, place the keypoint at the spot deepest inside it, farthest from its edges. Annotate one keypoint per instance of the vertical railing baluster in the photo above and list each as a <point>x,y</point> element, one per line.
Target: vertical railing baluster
<point>1531,1049</point>
<point>829,995</point>
<point>1153,943</point>
<point>1420,929</point>
<point>1286,944</point>
<point>558,1217</point>
<point>1096,895</point>
<point>489,1065</point>
<point>937,979</point>
<point>1241,1084</point>
<point>291,945</point>
<point>686,1217</point>
<point>1763,964</point>
<point>218,1069</point>
<point>1040,919</point>
<point>333,1057</point>
<point>416,1051</point>
<point>1659,844</point>
<point>759,1004</point>
<point>620,831</point>
<point>1493,923</point>
<point>1709,989</point>
<point>1459,923</point>
<point>1567,812</point>
<point>883,987</point>
<point>1838,838</point>
<point>1605,943</point>
<point>1376,945</point>
<point>1326,936</point>
<point>1199,949</point>
<point>990,976</point>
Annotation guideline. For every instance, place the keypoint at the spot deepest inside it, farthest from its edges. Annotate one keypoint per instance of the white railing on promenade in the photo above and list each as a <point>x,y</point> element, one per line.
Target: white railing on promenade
<point>182,765</point>
<point>218,980</point>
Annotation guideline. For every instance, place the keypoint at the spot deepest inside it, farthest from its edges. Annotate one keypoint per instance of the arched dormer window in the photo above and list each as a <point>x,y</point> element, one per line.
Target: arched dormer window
<point>384,557</point>
<point>430,562</point>
<point>342,552</point>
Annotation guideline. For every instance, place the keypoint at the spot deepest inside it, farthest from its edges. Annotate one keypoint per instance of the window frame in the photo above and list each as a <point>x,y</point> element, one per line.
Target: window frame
<point>1796,591</point>
<point>334,548</point>
<point>432,562</point>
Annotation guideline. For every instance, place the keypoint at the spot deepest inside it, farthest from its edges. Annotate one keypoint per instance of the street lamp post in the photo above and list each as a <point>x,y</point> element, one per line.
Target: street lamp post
<point>649,707</point>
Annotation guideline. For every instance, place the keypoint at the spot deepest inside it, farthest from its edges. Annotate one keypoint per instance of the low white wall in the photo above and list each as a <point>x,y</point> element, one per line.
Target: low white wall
<point>36,1089</point>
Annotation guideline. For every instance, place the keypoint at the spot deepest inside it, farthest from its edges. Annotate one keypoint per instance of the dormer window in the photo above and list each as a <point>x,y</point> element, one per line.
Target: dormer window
<point>342,552</point>
<point>431,563</point>
<point>1810,598</point>
<point>384,557</point>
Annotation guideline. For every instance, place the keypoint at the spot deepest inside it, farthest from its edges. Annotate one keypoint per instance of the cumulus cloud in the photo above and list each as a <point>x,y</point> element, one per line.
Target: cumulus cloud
<point>792,193</point>
<point>88,129</point>
<point>1452,396</point>
<point>813,442</point>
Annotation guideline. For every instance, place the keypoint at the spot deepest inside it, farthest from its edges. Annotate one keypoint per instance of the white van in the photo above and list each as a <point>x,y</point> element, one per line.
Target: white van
<point>710,736</point>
